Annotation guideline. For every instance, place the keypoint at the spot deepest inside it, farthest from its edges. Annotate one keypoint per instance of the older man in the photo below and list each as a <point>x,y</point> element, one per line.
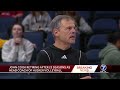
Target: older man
<point>64,31</point>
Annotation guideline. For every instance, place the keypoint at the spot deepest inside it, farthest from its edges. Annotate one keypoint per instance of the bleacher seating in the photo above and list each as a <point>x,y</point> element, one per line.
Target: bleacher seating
<point>93,56</point>
<point>105,26</point>
<point>97,41</point>
<point>107,14</point>
<point>36,38</point>
<point>52,14</point>
<point>85,14</point>
<point>93,59</point>
<point>5,23</point>
<point>4,35</point>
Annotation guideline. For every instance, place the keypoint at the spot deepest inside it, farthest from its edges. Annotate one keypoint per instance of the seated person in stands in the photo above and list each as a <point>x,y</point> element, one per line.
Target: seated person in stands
<point>110,55</point>
<point>18,48</point>
<point>37,20</point>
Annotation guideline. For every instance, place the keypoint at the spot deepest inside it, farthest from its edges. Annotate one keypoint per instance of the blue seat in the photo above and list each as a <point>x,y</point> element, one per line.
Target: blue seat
<point>52,14</point>
<point>5,23</point>
<point>26,13</point>
<point>4,35</point>
<point>93,59</point>
<point>85,14</point>
<point>36,38</point>
<point>93,56</point>
<point>105,26</point>
<point>50,41</point>
<point>107,14</point>
<point>97,41</point>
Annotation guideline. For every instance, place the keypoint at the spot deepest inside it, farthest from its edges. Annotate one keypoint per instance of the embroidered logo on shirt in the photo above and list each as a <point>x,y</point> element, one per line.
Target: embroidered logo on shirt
<point>64,57</point>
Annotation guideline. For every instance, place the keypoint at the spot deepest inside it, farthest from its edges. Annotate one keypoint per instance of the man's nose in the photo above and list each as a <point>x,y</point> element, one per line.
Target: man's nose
<point>73,30</point>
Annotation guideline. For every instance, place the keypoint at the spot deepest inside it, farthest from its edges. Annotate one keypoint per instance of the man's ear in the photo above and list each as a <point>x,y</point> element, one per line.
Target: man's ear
<point>55,32</point>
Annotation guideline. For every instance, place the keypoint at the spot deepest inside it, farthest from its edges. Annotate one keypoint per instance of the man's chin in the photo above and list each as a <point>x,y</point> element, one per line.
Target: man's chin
<point>72,42</point>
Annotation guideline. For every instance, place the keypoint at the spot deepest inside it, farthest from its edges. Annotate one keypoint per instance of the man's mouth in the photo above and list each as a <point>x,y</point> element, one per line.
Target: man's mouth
<point>73,37</point>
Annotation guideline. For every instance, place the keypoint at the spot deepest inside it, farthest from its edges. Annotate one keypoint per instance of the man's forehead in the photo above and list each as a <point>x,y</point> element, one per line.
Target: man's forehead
<point>67,22</point>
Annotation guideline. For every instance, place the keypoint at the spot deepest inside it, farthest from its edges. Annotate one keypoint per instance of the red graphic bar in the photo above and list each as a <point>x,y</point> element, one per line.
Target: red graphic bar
<point>53,68</point>
<point>36,68</point>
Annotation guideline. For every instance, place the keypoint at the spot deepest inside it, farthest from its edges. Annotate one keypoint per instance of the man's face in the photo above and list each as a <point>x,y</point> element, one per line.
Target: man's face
<point>67,31</point>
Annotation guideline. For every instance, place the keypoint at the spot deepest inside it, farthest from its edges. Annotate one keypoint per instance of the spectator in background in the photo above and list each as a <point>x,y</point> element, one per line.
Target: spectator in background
<point>110,55</point>
<point>61,53</point>
<point>36,21</point>
<point>18,48</point>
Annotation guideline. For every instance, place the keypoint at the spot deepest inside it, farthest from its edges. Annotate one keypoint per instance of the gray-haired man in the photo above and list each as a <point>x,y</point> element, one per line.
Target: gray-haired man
<point>64,30</point>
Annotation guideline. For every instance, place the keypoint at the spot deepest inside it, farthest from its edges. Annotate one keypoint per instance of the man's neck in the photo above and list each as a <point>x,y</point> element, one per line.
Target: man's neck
<point>61,45</point>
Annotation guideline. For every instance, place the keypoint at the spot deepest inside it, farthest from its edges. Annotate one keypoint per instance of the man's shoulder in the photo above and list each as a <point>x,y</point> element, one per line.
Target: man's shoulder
<point>45,50</point>
<point>50,49</point>
<point>78,53</point>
